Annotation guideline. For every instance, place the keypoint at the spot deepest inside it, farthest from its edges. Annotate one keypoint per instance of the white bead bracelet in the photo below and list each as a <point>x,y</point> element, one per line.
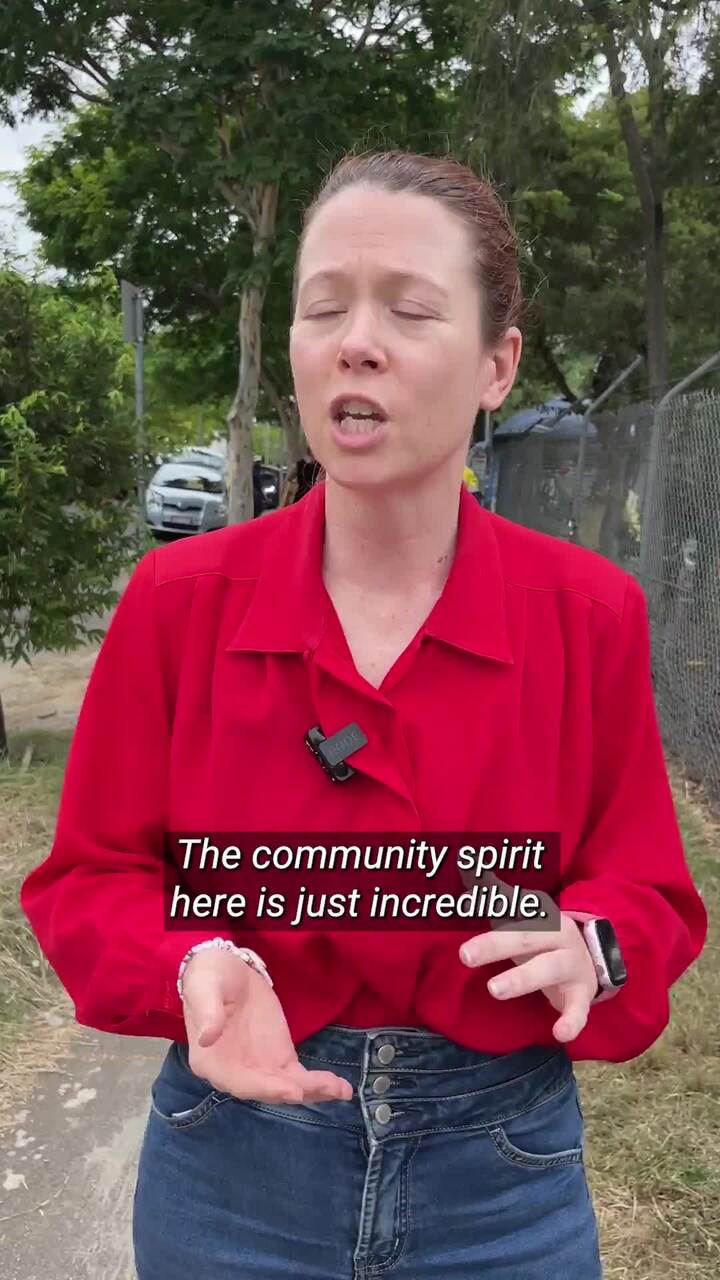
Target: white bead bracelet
<point>223,944</point>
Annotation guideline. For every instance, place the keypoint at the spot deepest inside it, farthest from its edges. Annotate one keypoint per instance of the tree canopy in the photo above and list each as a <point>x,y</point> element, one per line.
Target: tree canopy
<point>67,456</point>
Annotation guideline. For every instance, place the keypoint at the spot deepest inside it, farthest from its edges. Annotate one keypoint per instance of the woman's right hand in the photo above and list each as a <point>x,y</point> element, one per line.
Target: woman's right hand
<point>239,1039</point>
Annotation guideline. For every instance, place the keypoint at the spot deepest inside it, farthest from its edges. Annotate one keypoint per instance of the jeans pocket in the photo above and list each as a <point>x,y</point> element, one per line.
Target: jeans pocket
<point>546,1136</point>
<point>188,1117</point>
<point>180,1098</point>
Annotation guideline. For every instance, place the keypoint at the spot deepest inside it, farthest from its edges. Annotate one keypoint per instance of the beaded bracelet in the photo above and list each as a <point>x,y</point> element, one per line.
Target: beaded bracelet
<point>223,944</point>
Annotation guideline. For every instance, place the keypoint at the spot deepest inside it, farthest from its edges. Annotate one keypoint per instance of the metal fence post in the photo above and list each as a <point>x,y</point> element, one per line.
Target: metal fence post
<point>573,522</point>
<point>133,310</point>
<point>650,494</point>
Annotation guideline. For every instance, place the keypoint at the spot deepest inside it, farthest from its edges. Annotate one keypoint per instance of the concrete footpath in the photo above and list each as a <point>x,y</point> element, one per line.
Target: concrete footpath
<point>68,1165</point>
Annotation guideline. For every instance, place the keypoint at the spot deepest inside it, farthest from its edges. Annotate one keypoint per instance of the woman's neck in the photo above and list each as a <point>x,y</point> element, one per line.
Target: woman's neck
<point>390,545</point>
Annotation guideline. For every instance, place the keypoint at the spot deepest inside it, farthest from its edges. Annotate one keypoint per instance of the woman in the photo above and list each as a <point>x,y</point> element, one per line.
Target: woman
<point>340,1102</point>
<point>258,495</point>
<point>301,479</point>
<point>470,479</point>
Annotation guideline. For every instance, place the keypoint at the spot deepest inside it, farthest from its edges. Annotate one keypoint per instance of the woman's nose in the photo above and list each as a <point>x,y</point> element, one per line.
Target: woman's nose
<point>359,345</point>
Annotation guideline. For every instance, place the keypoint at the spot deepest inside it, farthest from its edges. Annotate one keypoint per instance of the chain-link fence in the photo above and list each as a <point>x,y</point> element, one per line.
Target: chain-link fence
<point>680,571</point>
<point>649,499</point>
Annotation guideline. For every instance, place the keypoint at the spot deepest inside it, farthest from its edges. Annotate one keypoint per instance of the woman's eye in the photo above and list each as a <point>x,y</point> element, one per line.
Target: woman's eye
<point>404,315</point>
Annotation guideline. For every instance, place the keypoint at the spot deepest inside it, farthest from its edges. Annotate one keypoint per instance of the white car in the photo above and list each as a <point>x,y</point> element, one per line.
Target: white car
<point>187,495</point>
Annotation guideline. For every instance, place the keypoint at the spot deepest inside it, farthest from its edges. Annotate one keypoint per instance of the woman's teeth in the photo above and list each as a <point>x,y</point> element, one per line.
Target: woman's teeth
<point>354,426</point>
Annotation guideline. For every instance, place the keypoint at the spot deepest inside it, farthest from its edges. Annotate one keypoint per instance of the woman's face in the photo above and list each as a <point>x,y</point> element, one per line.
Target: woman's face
<point>388,308</point>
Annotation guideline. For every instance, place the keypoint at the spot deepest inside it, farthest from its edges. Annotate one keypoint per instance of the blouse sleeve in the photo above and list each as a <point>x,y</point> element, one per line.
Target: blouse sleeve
<point>630,864</point>
<point>96,903</point>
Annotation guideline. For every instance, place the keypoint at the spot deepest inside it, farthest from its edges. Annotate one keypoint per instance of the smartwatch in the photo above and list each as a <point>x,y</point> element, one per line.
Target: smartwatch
<point>602,943</point>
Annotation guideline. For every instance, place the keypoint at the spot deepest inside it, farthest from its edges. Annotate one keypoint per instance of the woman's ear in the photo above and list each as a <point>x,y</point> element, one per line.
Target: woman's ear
<point>504,362</point>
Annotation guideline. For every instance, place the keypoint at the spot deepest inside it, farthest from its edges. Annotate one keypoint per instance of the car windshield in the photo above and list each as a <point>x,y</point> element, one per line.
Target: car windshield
<point>197,479</point>
<point>203,457</point>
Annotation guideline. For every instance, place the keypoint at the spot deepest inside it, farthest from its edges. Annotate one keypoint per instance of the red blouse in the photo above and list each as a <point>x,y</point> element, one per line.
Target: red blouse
<point>524,702</point>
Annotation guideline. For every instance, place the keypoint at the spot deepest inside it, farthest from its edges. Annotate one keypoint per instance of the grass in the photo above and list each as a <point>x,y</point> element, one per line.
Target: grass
<point>32,1037</point>
<point>652,1125</point>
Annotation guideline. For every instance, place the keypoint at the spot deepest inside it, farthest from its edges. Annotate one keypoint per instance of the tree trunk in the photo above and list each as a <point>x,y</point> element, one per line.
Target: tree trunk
<point>655,310</point>
<point>552,365</point>
<point>242,412</point>
<point>293,434</point>
<point>613,434</point>
<point>241,417</point>
<point>4,749</point>
<point>289,418</point>
<point>648,176</point>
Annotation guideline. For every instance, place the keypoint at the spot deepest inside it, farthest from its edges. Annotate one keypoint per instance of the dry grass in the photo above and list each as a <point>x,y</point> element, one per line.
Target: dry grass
<point>653,1125</point>
<point>33,1032</point>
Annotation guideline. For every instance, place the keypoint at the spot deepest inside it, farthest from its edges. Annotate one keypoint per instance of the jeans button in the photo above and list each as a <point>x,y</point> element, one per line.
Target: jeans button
<point>385,1054</point>
<point>383,1113</point>
<point>381,1084</point>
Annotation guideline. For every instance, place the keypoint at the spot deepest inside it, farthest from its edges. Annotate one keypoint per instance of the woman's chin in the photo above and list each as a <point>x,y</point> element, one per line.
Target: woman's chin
<point>371,476</point>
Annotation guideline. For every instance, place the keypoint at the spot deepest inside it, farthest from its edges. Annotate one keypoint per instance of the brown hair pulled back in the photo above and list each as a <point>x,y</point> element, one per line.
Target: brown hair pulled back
<point>472,199</point>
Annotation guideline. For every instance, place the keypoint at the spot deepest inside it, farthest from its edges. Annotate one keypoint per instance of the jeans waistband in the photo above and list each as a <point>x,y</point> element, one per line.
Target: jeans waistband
<point>420,1052</point>
<point>408,1081</point>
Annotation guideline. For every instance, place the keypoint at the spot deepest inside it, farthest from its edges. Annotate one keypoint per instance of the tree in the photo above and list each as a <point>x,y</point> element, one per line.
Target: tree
<point>521,53</point>
<point>247,99</point>
<point>66,450</point>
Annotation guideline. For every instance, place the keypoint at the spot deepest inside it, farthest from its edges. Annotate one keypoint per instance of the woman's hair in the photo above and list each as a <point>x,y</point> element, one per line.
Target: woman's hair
<point>475,201</point>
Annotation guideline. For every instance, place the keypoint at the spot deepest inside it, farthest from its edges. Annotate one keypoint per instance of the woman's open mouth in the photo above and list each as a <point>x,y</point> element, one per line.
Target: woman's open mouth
<point>353,426</point>
<point>353,433</point>
<point>356,423</point>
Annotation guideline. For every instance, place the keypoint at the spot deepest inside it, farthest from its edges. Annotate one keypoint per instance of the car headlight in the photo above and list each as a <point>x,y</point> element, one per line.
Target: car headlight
<point>153,497</point>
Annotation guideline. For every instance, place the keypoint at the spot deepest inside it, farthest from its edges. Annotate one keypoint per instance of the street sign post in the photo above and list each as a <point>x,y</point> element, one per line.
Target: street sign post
<point>133,312</point>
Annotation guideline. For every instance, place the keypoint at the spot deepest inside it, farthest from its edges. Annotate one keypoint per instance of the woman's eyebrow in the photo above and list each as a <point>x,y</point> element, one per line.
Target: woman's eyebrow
<point>332,275</point>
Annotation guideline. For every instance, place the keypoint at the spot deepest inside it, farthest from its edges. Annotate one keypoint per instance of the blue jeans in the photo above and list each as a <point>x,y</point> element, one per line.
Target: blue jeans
<point>447,1163</point>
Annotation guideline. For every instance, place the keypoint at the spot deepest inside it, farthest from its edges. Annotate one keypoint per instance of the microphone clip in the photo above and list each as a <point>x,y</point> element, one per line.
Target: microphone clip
<point>331,752</point>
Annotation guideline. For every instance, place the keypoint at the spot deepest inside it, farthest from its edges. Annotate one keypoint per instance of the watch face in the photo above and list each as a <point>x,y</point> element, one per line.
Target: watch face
<point>612,954</point>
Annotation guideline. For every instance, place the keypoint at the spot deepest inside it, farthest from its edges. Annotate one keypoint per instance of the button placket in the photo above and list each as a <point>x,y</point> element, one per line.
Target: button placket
<point>382,1055</point>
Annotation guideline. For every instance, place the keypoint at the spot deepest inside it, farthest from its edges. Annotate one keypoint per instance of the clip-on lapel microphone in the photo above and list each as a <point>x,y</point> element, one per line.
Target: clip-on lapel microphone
<point>331,752</point>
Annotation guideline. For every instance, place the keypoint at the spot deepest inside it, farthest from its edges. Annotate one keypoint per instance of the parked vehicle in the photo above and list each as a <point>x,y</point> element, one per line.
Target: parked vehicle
<point>186,496</point>
<point>188,492</point>
<point>199,453</point>
<point>270,483</point>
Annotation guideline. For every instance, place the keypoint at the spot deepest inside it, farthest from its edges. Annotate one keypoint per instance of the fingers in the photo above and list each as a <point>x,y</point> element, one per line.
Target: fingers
<point>488,948</point>
<point>574,1015</point>
<point>206,1014</point>
<point>507,941</point>
<point>265,1086</point>
<point>204,1005</point>
<point>212,1027</point>
<point>295,1085</point>
<point>545,970</point>
<point>324,1086</point>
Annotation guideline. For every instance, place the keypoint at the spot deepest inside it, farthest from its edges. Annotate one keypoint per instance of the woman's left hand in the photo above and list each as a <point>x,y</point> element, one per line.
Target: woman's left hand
<point>554,961</point>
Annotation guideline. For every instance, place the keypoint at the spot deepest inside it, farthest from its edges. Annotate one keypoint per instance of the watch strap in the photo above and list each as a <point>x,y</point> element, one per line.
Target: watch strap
<point>606,988</point>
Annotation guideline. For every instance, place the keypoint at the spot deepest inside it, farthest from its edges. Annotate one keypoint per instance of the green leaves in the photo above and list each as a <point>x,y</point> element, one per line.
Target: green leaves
<point>66,446</point>
<point>205,102</point>
<point>201,101</point>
